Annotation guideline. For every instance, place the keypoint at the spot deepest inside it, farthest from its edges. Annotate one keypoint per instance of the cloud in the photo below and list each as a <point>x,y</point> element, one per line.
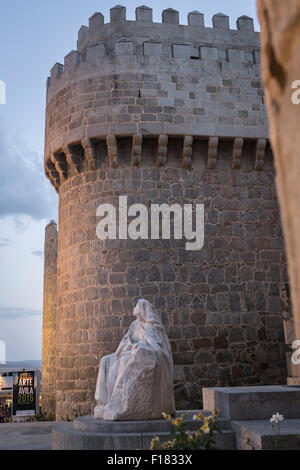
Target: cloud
<point>13,313</point>
<point>5,242</point>
<point>24,190</point>
<point>38,253</point>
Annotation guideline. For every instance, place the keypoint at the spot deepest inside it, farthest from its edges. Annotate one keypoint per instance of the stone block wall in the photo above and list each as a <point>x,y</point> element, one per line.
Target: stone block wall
<point>221,305</point>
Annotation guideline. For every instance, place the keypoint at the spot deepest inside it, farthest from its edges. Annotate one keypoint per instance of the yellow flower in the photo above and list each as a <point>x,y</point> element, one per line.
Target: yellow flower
<point>155,443</point>
<point>205,428</point>
<point>198,417</point>
<point>167,445</point>
<point>177,421</point>
<point>207,420</point>
<point>168,417</point>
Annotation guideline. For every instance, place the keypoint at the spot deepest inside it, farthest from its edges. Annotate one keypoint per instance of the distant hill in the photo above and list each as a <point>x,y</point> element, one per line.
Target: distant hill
<point>10,366</point>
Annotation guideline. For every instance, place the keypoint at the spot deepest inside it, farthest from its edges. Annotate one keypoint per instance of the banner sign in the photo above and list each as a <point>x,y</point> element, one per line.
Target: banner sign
<point>25,393</point>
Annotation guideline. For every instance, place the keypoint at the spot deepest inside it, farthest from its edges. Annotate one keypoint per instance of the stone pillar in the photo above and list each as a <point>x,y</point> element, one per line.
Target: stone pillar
<point>49,322</point>
<point>281,69</point>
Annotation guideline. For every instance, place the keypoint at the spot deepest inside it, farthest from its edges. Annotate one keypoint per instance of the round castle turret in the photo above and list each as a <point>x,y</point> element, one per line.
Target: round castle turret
<point>164,113</point>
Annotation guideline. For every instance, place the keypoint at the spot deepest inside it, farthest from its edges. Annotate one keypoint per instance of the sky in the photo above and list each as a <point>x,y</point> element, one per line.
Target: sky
<point>34,35</point>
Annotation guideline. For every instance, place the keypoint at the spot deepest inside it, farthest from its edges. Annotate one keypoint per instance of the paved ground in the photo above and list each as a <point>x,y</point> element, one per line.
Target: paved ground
<point>26,436</point>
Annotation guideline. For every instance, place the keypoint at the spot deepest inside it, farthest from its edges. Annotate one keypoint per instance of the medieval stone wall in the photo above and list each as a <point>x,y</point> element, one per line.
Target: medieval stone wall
<point>165,113</point>
<point>49,321</point>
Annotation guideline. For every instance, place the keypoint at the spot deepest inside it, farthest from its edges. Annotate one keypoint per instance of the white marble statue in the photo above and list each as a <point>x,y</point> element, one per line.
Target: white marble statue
<point>136,383</point>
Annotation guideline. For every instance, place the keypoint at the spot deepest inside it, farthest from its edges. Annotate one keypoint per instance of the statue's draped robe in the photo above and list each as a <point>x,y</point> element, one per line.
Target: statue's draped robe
<point>136,382</point>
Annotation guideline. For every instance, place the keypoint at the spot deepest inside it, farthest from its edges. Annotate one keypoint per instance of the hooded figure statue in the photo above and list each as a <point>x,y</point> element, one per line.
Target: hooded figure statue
<point>136,382</point>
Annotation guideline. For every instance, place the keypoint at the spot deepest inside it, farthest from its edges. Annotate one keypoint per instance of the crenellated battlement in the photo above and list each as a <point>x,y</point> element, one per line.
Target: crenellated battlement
<point>143,37</point>
<point>140,79</point>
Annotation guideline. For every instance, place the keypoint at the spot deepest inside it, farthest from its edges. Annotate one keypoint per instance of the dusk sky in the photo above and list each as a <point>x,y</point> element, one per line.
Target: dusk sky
<point>35,34</point>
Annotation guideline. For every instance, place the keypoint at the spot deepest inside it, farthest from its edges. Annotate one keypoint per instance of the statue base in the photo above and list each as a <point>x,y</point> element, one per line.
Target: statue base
<point>88,433</point>
<point>293,381</point>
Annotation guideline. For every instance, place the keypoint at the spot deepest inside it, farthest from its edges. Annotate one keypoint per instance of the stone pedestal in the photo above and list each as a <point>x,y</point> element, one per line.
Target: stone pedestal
<point>87,433</point>
<point>253,403</point>
<point>259,435</point>
<point>248,411</point>
<point>293,381</point>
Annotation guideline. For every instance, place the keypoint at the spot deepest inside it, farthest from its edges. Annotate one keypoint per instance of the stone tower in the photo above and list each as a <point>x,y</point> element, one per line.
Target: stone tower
<point>49,320</point>
<point>164,113</point>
